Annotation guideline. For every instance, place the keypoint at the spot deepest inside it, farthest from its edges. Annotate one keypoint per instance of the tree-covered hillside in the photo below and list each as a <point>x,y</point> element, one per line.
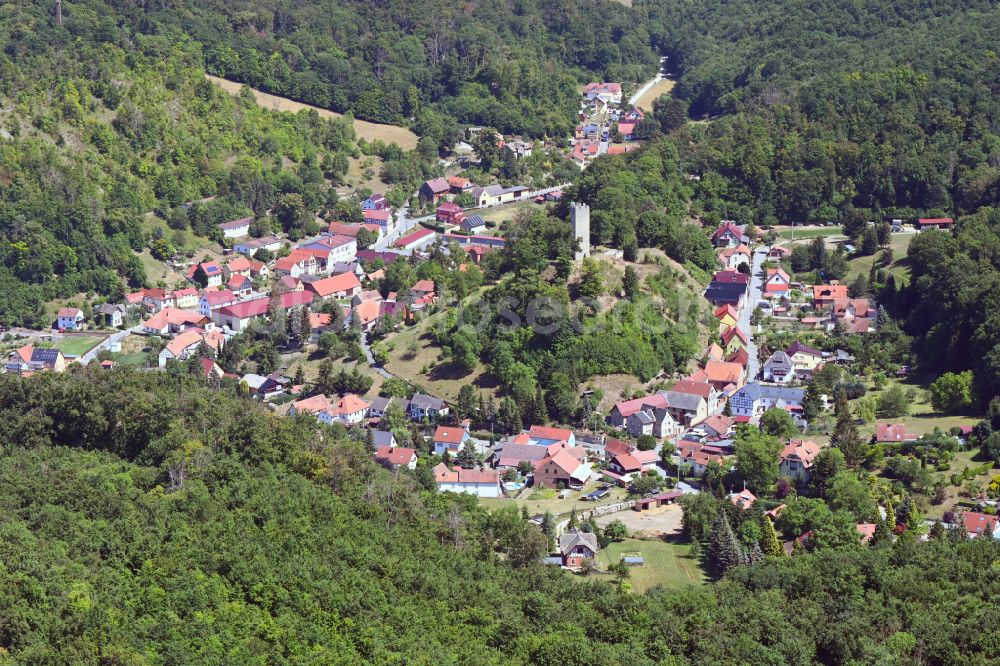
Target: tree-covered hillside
<point>883,106</point>
<point>98,128</point>
<point>516,66</point>
<point>145,519</point>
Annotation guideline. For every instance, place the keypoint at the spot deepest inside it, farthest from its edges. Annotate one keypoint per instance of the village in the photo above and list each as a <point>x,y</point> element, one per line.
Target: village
<point>652,449</point>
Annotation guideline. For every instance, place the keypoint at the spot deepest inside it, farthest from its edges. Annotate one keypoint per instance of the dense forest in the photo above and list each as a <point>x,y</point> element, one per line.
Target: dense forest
<point>147,519</point>
<point>516,66</point>
<point>823,107</point>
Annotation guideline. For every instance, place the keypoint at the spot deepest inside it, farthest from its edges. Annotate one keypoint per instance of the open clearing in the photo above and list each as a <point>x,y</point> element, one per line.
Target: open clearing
<point>78,345</point>
<point>665,520</point>
<point>667,563</point>
<point>900,267</point>
<point>661,87</point>
<point>400,136</point>
<point>538,501</point>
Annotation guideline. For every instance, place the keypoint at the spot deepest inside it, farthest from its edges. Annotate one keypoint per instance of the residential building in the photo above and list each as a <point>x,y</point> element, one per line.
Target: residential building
<point>981,525</point>
<point>777,283</point>
<point>376,201</point>
<point>208,274</point>
<point>727,315</point>
<point>478,482</point>
<point>797,460</point>
<point>804,359</point>
<point>394,457</point>
<point>29,359</point>
<point>633,462</point>
<point>576,546</point>
<point>730,234</point>
<point>236,228</point>
<point>237,317</point>
<point>545,435</point>
<point>240,285</point>
<point>296,264</point>
<point>421,407</point>
<point>713,397</point>
<point>451,439</point>
<point>779,369</point>
<point>620,413</point>
<point>449,213</point>
<point>112,314</point>
<point>459,185</point>
<point>755,398</point>
<point>69,319</point>
<point>824,294</point>
<point>349,410</point>
<point>185,298</point>
<point>886,433</point>
<point>186,343</point>
<point>213,300</point>
<point>606,93</point>
<point>382,219</point>
<point>561,469</point>
<point>344,285</point>
<point>733,339</point>
<point>686,408</point>
<point>169,321</point>
<point>654,421</point>
<point>378,406</point>
<point>732,258</point>
<point>432,191</point>
<point>698,456</point>
<point>743,499</point>
<point>250,246</point>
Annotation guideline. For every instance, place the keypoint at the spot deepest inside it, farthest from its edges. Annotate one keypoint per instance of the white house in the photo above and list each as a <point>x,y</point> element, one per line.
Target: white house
<point>236,228</point>
<point>779,368</point>
<point>69,319</point>
<point>450,439</point>
<point>755,398</point>
<point>478,482</point>
<point>248,247</point>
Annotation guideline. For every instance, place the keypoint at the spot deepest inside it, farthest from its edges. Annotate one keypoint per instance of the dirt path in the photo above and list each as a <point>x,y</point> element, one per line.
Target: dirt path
<point>401,136</point>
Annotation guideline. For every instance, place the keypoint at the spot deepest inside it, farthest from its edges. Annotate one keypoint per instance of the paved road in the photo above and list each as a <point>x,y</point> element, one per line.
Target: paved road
<point>371,359</point>
<point>756,291</point>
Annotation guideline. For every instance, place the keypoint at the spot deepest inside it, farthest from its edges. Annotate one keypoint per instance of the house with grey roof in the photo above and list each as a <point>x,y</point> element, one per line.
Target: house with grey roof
<point>423,407</point>
<point>112,313</point>
<point>576,546</point>
<point>473,224</point>
<point>382,438</point>
<point>755,398</point>
<point>686,408</point>
<point>378,406</point>
<point>655,421</point>
<point>779,368</point>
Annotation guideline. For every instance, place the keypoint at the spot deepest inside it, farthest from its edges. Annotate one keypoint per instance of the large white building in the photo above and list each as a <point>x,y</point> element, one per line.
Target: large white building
<point>478,482</point>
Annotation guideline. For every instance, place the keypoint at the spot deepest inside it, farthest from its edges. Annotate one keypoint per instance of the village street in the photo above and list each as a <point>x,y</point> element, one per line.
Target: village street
<point>753,298</point>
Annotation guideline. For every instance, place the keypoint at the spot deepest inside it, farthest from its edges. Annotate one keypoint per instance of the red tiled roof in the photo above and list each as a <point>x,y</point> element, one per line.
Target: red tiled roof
<point>395,455</point>
<point>892,432</point>
<point>418,235</point>
<point>458,475</point>
<point>449,435</point>
<point>804,451</point>
<point>545,432</point>
<point>935,220</point>
<point>691,387</point>
<point>335,284</point>
<point>979,523</point>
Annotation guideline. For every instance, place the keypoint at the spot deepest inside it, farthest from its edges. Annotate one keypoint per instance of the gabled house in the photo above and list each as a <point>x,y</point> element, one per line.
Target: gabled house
<point>296,264</point>
<point>186,343</point>
<point>434,190</point>
<point>633,462</point>
<point>743,499</point>
<point>728,288</point>
<point>449,213</point>
<point>185,298</point>
<point>713,397</point>
<point>69,319</point>
<point>473,224</point>
<point>723,375</point>
<point>981,525</point>
<point>207,273</point>
<point>394,457</point>
<point>576,546</point>
<point>422,407</point>
<point>892,433</point>
<point>376,201</point>
<point>270,386</point>
<point>797,460</point>
<point>654,421</point>
<point>343,285</point>
<point>236,228</point>
<point>779,368</point>
<point>382,219</point>
<point>804,359</point>
<point>451,439</point>
<point>545,435</point>
<point>171,320</point>
<point>732,258</point>
<point>213,300</point>
<point>825,294</point>
<point>777,283</point>
<point>29,359</point>
<point>698,456</point>
<point>733,339</point>
<point>241,285</point>
<point>620,413</point>
<point>416,239</point>
<point>348,410</point>
<point>730,234</point>
<point>686,408</point>
<point>727,315</point>
<point>755,398</point>
<point>606,93</point>
<point>459,185</point>
<point>478,482</point>
<point>112,314</point>
<point>562,469</point>
<point>250,246</point>
<point>157,299</point>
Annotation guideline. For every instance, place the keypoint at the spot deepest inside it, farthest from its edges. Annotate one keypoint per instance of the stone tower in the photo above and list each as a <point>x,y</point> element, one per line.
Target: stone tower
<point>579,215</point>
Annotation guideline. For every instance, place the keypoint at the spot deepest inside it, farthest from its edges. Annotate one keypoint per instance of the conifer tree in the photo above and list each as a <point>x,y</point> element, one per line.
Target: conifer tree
<point>724,549</point>
<point>845,433</point>
<point>769,543</point>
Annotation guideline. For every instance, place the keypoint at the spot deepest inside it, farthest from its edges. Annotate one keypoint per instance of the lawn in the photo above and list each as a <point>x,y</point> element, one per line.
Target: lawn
<point>900,268</point>
<point>660,88</point>
<point>667,563</point>
<point>78,345</point>
<point>801,233</point>
<point>136,359</point>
